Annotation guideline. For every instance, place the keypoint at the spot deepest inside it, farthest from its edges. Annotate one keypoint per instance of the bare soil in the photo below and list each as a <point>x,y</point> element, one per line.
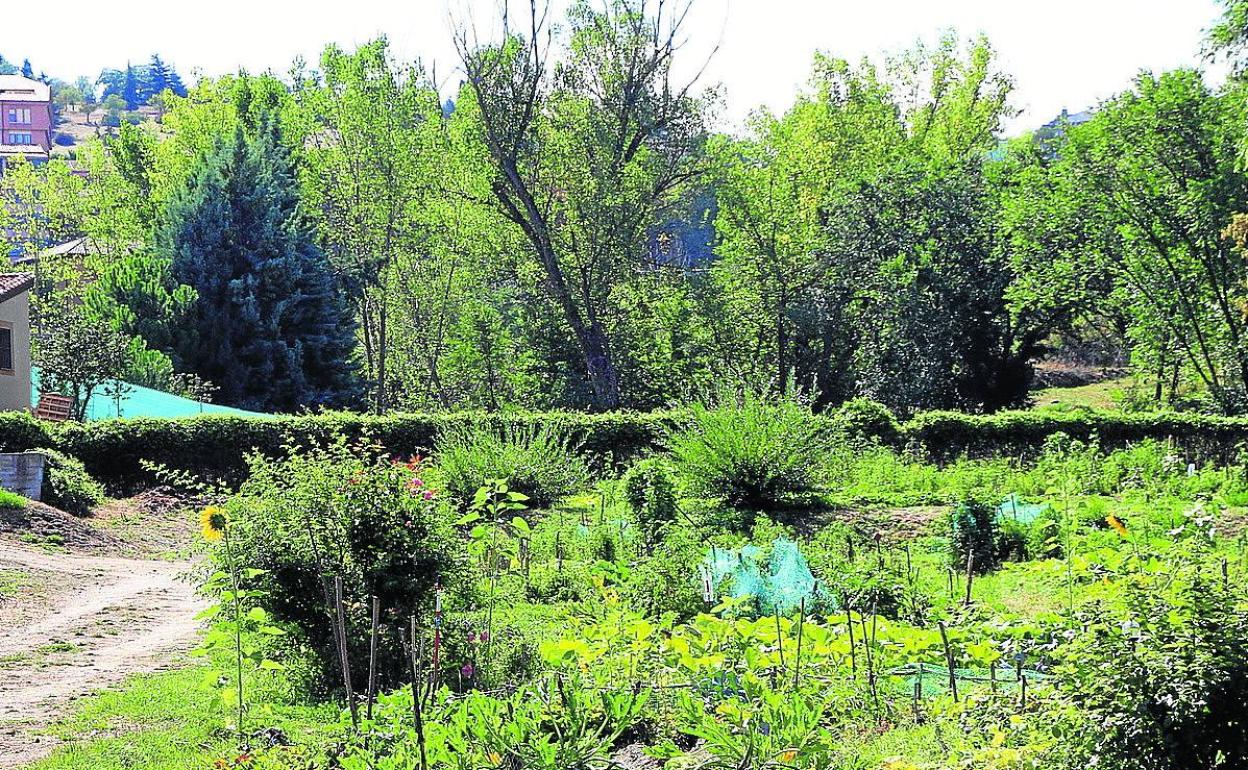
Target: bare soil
<point>86,616</point>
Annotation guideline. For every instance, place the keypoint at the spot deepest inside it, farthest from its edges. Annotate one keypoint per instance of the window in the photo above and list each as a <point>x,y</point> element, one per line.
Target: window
<point>20,137</point>
<point>19,116</point>
<point>6,349</point>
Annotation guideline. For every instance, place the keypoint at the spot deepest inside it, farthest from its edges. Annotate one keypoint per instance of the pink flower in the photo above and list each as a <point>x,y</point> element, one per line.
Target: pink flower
<point>485,636</point>
<point>417,482</point>
<point>472,637</point>
<point>467,671</point>
<point>428,494</point>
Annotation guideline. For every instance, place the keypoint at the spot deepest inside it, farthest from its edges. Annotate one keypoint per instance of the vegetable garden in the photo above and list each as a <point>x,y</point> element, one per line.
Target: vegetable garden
<point>760,590</point>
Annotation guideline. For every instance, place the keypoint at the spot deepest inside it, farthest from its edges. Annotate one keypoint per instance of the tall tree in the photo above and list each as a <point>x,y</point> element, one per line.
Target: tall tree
<point>268,327</point>
<point>585,153</point>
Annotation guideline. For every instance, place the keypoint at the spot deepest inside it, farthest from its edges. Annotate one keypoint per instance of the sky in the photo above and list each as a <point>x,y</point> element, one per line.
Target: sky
<point>1062,53</point>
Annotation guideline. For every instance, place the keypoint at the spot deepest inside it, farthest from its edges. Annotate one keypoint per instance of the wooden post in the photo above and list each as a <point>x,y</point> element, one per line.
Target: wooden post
<point>801,620</point>
<point>341,628</point>
<point>779,638</point>
<point>372,657</point>
<point>853,662</point>
<point>1022,680</point>
<point>953,677</point>
<point>970,576</point>
<point>414,656</point>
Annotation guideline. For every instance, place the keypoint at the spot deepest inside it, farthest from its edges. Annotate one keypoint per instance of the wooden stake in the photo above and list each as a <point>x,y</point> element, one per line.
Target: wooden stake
<point>797,664</point>
<point>341,626</point>
<point>970,576</point>
<point>372,657</point>
<point>953,677</point>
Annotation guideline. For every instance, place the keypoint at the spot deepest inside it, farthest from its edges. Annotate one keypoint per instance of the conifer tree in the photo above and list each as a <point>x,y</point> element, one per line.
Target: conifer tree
<point>130,90</point>
<point>268,327</point>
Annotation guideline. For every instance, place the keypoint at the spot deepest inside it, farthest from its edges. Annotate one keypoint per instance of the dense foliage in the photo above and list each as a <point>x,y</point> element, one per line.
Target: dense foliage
<point>570,230</point>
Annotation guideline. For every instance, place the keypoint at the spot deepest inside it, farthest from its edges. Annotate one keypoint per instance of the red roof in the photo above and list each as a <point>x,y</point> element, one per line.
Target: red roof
<point>12,284</point>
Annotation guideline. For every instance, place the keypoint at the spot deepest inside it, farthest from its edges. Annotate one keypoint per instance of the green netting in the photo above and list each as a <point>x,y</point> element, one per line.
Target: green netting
<point>934,680</point>
<point>780,584</point>
<point>137,401</point>
<point>1013,508</point>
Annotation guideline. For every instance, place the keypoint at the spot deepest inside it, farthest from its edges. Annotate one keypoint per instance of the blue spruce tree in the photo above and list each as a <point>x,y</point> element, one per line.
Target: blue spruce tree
<point>269,327</point>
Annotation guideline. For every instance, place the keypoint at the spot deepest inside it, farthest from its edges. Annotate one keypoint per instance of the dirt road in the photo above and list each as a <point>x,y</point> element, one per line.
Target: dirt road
<point>78,623</point>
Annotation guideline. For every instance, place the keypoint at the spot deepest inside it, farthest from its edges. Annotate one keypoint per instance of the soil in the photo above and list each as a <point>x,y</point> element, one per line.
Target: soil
<point>93,607</point>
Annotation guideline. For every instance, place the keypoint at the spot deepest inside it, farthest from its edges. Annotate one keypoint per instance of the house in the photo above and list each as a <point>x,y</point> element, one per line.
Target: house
<point>15,340</point>
<point>25,119</point>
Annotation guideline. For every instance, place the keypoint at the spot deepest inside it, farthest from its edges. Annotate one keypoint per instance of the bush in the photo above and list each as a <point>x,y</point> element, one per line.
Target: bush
<point>541,463</point>
<point>755,454</point>
<point>650,491</point>
<point>1161,676</point>
<point>668,582</point>
<point>336,511</point>
<point>974,534</point>
<point>67,485</point>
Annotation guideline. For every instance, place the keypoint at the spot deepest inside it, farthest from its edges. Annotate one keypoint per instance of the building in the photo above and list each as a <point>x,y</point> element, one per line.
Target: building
<point>25,119</point>
<point>15,340</point>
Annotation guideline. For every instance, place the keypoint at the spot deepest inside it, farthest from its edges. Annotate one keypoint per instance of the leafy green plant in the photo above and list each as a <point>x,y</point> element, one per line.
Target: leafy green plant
<point>348,513</point>
<point>67,485</point>
<point>974,536</point>
<point>650,491</point>
<point>754,453</point>
<point>542,463</point>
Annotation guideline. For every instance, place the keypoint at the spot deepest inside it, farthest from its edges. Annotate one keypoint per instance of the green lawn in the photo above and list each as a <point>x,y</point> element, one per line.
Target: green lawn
<point>173,720</point>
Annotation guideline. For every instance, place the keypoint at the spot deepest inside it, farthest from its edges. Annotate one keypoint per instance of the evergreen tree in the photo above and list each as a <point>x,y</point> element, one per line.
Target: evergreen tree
<point>157,77</point>
<point>130,89</point>
<point>27,70</point>
<point>268,326</point>
<point>175,83</point>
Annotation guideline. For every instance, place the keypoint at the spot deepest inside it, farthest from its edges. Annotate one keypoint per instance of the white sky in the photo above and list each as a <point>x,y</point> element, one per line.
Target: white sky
<point>1063,53</point>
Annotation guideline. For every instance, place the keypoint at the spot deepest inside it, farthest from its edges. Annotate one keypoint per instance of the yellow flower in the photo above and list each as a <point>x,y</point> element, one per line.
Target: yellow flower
<point>212,523</point>
<point>1118,526</point>
<point>788,756</point>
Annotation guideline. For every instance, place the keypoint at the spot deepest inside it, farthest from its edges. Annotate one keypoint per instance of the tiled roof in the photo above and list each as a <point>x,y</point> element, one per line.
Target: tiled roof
<point>12,284</point>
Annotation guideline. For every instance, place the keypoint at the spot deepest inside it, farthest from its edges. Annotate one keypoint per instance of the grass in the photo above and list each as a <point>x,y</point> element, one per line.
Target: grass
<point>12,581</point>
<point>1098,395</point>
<point>166,721</point>
<point>11,500</point>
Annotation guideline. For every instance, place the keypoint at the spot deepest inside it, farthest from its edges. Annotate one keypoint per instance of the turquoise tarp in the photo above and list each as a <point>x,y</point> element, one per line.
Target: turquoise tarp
<point>138,401</point>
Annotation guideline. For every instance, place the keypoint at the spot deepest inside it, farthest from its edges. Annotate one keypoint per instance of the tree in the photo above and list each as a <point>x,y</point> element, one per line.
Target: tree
<point>586,153</point>
<point>130,89</point>
<point>27,70</point>
<point>78,354</point>
<point>268,326</point>
<point>1159,167</point>
<point>68,97</point>
<point>374,143</point>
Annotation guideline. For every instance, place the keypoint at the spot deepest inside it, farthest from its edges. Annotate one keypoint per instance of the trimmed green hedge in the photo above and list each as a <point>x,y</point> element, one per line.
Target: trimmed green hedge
<point>216,446</point>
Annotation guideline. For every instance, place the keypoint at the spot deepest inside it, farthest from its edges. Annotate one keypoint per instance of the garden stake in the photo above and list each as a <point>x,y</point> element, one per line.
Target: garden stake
<point>953,677</point>
<point>372,658</point>
<point>849,542</point>
<point>779,637</point>
<point>970,576</point>
<point>992,677</point>
<point>413,659</point>
<point>918,694</point>
<point>342,648</point>
<point>950,576</point>
<point>797,664</point>
<point>1022,680</point>
<point>1226,578</point>
<point>853,662</point>
<point>437,636</point>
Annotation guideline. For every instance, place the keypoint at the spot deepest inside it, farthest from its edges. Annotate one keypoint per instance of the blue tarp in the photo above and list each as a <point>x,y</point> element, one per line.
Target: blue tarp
<point>138,401</point>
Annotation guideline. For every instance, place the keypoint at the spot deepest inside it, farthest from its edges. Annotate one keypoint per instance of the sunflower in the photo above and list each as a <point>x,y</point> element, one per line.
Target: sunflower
<point>212,523</point>
<point>1117,524</point>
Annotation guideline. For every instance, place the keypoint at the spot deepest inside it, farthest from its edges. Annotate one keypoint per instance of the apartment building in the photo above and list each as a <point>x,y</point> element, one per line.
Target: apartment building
<point>25,119</point>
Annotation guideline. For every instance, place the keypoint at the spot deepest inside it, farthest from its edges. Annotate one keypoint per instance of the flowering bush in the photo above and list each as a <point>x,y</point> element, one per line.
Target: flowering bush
<point>351,513</point>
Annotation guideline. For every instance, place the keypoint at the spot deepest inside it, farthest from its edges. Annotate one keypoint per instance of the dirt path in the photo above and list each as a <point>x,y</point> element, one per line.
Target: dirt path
<point>80,623</point>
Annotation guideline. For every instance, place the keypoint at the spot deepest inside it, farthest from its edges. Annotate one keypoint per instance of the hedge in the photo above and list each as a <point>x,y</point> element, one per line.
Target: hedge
<point>115,451</point>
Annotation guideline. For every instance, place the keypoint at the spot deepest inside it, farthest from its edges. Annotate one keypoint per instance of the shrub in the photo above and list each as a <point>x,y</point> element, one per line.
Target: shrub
<point>542,463</point>
<point>756,453</point>
<point>974,533</point>
<point>351,513</point>
<point>650,491</point>
<point>865,420</point>
<point>1161,676</point>
<point>668,582</point>
<point>68,486</point>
